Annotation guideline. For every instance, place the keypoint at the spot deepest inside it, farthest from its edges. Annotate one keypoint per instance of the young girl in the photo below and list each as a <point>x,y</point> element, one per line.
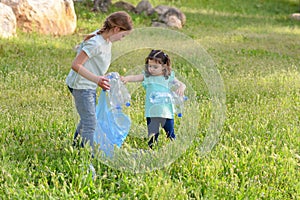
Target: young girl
<point>156,79</point>
<point>88,69</point>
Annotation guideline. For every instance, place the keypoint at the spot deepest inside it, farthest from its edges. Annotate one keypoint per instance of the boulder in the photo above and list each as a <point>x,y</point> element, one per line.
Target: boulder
<point>101,5</point>
<point>8,22</point>
<point>172,17</point>
<point>296,16</point>
<point>47,17</point>
<point>144,6</point>
<point>124,6</point>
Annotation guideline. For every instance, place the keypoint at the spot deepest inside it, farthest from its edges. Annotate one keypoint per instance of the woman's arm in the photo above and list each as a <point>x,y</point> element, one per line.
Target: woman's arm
<point>181,88</point>
<point>77,66</point>
<point>132,78</point>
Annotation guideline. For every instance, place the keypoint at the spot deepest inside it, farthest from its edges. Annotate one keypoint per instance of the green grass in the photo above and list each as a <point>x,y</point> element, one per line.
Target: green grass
<point>255,46</point>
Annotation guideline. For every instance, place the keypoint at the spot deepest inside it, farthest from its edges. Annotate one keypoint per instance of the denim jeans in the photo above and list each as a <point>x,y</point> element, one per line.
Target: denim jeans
<point>153,124</point>
<point>85,102</point>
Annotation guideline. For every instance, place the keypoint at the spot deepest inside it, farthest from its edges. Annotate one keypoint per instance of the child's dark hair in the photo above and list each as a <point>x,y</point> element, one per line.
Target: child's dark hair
<point>160,57</point>
<point>119,19</point>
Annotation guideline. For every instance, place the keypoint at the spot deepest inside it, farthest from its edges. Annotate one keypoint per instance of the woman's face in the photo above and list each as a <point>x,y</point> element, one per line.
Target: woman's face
<point>155,68</point>
<point>118,35</point>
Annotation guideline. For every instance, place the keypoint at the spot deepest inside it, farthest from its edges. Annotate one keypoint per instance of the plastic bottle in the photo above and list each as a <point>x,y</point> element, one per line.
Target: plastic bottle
<point>118,94</point>
<point>178,101</point>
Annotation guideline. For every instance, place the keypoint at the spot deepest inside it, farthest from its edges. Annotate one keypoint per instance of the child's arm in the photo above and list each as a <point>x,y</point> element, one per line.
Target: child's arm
<point>181,88</point>
<point>77,66</point>
<point>132,78</point>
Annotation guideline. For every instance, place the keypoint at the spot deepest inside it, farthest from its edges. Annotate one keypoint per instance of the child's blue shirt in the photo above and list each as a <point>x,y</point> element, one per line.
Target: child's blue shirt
<point>158,102</point>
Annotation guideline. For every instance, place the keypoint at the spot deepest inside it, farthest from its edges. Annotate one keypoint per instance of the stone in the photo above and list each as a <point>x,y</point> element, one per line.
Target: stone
<point>144,6</point>
<point>101,5</point>
<point>159,24</point>
<point>8,22</point>
<point>296,16</point>
<point>172,17</point>
<point>124,6</point>
<point>47,17</point>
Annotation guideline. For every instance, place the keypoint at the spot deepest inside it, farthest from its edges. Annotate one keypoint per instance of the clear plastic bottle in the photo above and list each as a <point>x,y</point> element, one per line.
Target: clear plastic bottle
<point>178,101</point>
<point>118,94</point>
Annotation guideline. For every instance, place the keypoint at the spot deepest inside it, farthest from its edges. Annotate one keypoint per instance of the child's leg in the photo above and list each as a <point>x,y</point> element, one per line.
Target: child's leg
<point>76,135</point>
<point>169,128</point>
<point>153,130</point>
<point>85,101</point>
<point>78,128</point>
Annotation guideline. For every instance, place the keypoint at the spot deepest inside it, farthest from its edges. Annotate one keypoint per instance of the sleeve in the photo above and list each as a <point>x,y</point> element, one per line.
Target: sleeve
<point>145,81</point>
<point>89,47</point>
<point>172,76</point>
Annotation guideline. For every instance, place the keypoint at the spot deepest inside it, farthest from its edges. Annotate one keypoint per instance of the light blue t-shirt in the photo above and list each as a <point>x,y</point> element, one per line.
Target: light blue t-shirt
<point>158,102</point>
<point>99,52</point>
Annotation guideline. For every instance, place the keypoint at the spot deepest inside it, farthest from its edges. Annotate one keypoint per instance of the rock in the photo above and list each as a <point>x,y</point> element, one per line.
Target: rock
<point>8,22</point>
<point>172,17</point>
<point>173,21</point>
<point>161,9</point>
<point>144,6</point>
<point>124,6</point>
<point>296,16</point>
<point>101,5</point>
<point>159,24</point>
<point>46,17</point>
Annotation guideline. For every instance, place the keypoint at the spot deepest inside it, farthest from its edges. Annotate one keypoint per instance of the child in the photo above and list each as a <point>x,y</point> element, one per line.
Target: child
<point>88,69</point>
<point>156,80</point>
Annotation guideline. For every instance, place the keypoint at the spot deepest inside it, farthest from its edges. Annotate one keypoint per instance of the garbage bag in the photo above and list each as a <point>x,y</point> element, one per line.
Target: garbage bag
<point>112,124</point>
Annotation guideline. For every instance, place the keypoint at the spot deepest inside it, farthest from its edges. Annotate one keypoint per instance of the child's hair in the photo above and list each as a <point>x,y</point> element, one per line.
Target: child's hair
<point>119,19</point>
<point>160,57</point>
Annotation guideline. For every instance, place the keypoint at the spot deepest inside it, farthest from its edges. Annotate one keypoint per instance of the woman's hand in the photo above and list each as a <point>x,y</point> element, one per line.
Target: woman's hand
<point>103,82</point>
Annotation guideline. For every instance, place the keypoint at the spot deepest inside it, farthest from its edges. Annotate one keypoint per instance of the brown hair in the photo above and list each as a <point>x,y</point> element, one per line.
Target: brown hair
<point>160,57</point>
<point>119,19</point>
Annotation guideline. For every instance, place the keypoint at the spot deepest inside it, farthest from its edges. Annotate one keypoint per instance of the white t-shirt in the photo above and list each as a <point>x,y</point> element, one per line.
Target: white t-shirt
<point>99,52</point>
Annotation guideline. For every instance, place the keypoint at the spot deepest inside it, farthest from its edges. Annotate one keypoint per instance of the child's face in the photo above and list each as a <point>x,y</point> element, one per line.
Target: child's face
<point>118,35</point>
<point>155,68</point>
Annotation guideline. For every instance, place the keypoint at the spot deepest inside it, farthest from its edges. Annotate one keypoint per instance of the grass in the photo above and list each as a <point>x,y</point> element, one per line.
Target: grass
<point>255,46</point>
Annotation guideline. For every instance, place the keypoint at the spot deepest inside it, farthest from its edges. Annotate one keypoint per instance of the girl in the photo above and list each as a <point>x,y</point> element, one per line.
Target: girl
<point>88,69</point>
<point>156,79</point>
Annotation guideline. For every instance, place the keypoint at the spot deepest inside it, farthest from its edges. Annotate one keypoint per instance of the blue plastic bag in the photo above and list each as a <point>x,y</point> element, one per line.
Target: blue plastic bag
<point>112,124</point>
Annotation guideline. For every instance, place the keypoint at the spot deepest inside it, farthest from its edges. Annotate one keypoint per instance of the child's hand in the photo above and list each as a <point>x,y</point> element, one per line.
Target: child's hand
<point>103,83</point>
<point>180,90</point>
<point>124,79</point>
<point>132,78</point>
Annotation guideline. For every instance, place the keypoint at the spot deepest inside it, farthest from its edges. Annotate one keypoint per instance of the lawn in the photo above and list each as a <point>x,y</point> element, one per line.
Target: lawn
<point>255,49</point>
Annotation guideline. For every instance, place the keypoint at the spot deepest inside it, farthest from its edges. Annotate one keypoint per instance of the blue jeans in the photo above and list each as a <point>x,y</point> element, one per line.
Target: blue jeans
<point>85,102</point>
<point>153,124</point>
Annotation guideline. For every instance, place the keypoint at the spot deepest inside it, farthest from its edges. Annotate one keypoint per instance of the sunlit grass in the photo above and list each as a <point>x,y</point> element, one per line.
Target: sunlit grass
<point>255,47</point>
